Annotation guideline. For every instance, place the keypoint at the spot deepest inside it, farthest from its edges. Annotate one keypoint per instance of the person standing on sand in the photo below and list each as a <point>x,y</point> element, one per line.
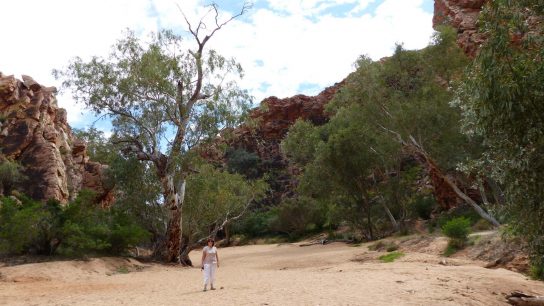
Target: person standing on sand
<point>210,262</point>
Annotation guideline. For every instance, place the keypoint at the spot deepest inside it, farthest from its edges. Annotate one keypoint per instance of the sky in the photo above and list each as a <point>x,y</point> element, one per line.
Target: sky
<point>286,47</point>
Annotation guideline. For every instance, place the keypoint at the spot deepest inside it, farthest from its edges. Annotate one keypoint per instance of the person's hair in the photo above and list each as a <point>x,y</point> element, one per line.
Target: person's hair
<point>211,240</point>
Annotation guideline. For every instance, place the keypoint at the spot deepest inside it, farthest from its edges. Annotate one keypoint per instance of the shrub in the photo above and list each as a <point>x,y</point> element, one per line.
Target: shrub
<point>296,217</point>
<point>388,246</point>
<point>90,229</point>
<point>423,206</point>
<point>11,174</point>
<point>27,226</point>
<point>254,224</point>
<point>243,162</point>
<point>537,269</point>
<point>391,256</point>
<point>462,211</point>
<point>457,228</point>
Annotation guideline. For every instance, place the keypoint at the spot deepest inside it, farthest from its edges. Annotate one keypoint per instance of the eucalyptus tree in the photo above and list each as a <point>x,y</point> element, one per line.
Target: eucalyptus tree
<point>164,99</point>
<point>215,199</point>
<point>502,98</point>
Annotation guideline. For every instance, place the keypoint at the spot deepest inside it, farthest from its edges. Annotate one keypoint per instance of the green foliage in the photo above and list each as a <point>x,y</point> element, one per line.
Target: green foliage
<point>537,270</point>
<point>388,246</point>
<point>501,98</point>
<point>80,228</point>
<point>301,142</point>
<point>213,197</point>
<point>138,193</point>
<point>424,206</point>
<point>463,211</point>
<point>137,86</point>
<point>99,148</point>
<point>451,249</point>
<point>457,228</point>
<point>256,224</point>
<point>10,175</point>
<point>243,162</point>
<point>296,217</point>
<point>27,226</point>
<point>90,229</point>
<point>391,257</point>
<point>356,161</point>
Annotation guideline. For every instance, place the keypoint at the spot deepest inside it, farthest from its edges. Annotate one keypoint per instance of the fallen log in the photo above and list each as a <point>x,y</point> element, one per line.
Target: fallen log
<point>521,299</point>
<point>325,241</point>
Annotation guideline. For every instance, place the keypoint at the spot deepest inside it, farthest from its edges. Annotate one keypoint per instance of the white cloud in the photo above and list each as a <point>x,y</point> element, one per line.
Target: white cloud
<point>313,7</point>
<point>39,36</point>
<point>284,45</point>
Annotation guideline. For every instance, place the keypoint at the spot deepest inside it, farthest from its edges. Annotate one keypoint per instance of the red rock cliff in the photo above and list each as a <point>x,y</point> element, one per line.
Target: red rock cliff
<point>463,16</point>
<point>267,127</point>
<point>34,132</point>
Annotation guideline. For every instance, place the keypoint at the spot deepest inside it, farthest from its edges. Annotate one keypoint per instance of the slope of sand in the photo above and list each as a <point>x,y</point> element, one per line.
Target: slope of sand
<point>334,274</point>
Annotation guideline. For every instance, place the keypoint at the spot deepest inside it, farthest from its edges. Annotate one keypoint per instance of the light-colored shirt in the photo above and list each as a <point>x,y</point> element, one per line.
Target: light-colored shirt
<point>211,255</point>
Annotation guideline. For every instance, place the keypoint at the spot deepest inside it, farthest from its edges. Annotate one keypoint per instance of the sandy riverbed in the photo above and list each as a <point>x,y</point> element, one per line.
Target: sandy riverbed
<point>288,274</point>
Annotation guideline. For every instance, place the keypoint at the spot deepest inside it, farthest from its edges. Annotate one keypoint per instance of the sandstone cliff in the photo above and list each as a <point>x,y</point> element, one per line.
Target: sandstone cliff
<point>34,132</point>
<point>463,16</point>
<point>266,128</point>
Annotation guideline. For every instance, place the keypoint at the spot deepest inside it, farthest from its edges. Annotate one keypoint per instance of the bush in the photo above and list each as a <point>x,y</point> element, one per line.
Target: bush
<point>255,224</point>
<point>243,162</point>
<point>391,256</point>
<point>11,174</point>
<point>296,217</point>
<point>423,206</point>
<point>388,246</point>
<point>464,211</point>
<point>457,228</point>
<point>27,226</point>
<point>90,229</point>
<point>537,270</point>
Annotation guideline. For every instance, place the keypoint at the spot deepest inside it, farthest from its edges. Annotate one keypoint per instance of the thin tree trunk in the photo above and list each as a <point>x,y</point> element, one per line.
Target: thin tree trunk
<point>186,248</point>
<point>366,205</point>
<point>429,163</point>
<point>391,217</point>
<point>497,192</point>
<point>474,205</point>
<point>227,235</point>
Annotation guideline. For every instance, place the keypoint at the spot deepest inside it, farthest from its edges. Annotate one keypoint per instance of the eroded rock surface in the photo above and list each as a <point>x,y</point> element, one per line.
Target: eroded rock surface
<point>263,133</point>
<point>463,16</point>
<point>34,132</point>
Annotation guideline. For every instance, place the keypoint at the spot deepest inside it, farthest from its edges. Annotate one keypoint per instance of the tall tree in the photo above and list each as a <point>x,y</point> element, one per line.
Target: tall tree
<point>215,199</point>
<point>164,100</point>
<point>502,98</point>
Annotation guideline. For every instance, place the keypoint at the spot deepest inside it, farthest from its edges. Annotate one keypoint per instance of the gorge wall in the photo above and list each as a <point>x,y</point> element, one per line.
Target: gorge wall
<point>34,132</point>
<point>463,16</point>
<point>271,122</point>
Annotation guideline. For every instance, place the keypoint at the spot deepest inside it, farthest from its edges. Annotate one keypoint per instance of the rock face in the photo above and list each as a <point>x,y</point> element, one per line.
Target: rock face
<point>275,117</point>
<point>267,127</point>
<point>463,16</point>
<point>34,132</point>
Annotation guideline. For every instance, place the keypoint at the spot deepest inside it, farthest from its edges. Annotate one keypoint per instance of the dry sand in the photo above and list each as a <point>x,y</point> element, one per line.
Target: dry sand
<point>334,274</point>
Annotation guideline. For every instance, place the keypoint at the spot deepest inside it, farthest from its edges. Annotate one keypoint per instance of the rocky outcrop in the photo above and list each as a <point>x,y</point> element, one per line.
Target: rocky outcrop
<point>269,123</point>
<point>463,16</point>
<point>263,132</point>
<point>34,132</point>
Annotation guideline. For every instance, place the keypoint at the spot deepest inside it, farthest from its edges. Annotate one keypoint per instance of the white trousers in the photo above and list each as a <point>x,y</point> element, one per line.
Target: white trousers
<point>209,273</point>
